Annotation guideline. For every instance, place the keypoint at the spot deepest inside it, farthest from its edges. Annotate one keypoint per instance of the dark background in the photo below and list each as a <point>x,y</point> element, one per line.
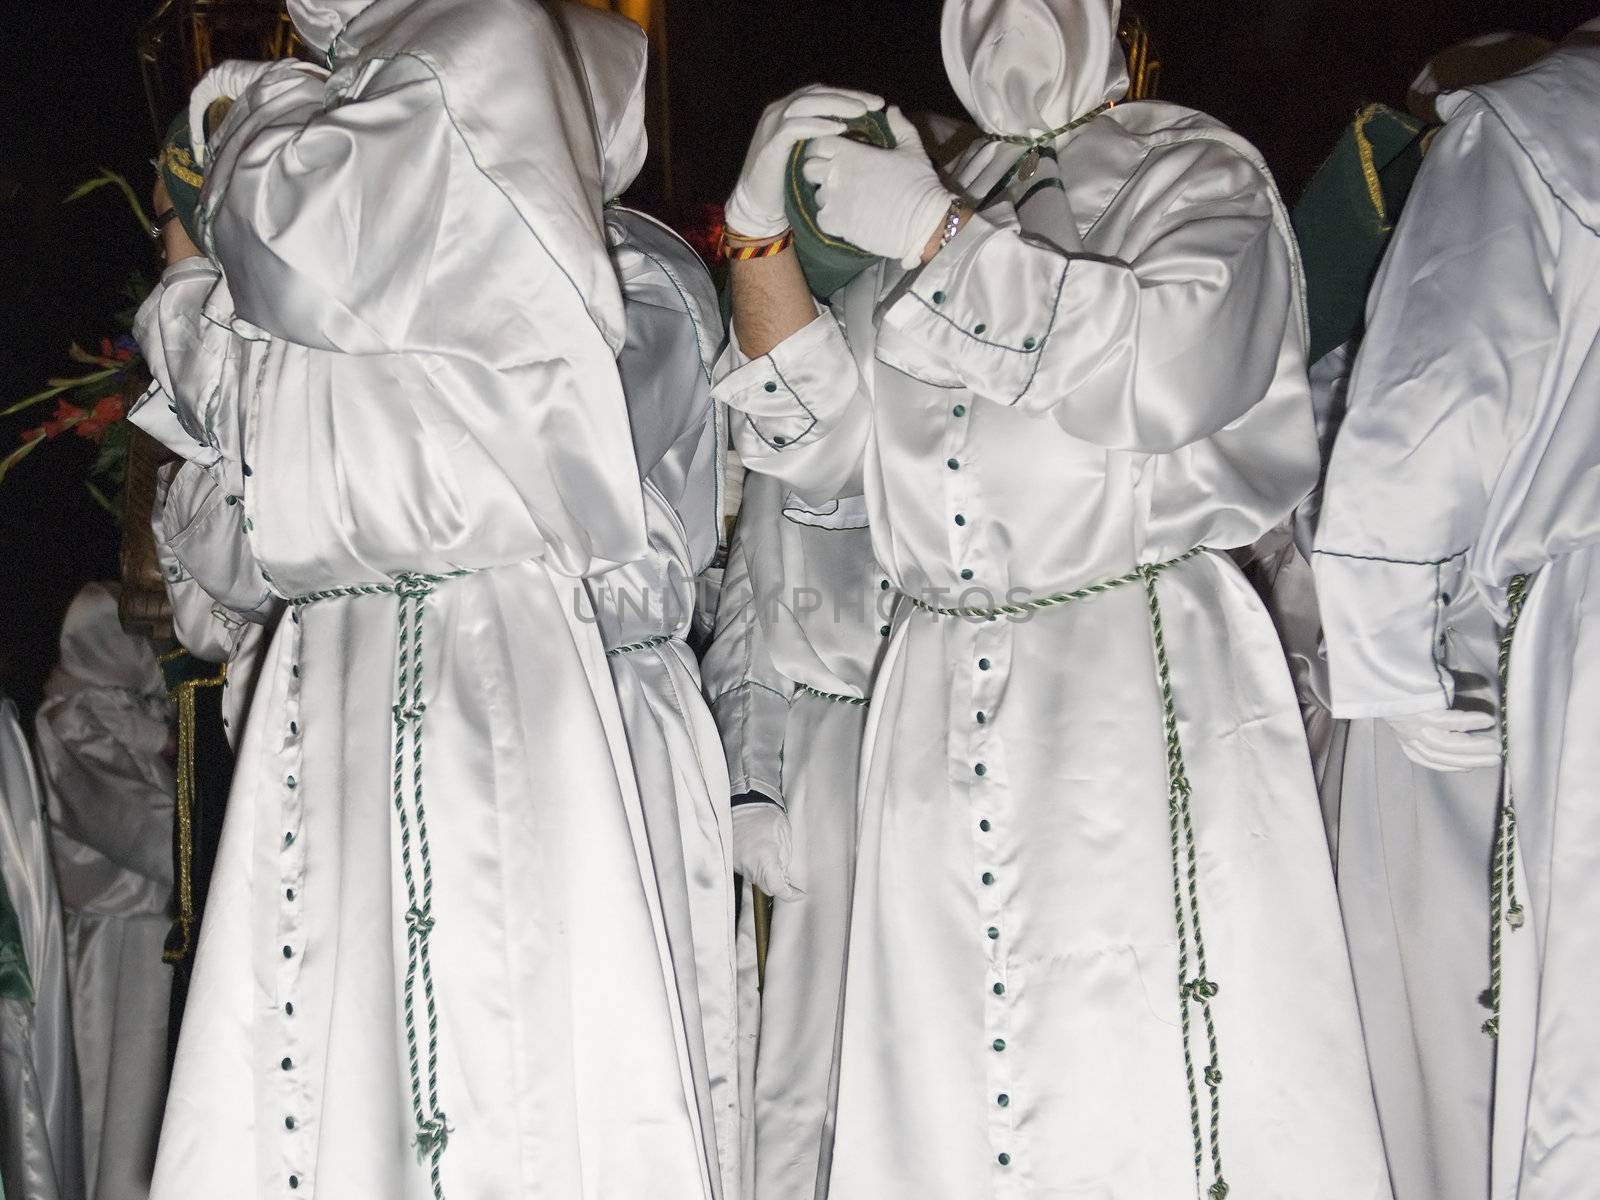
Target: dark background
<point>1289,74</point>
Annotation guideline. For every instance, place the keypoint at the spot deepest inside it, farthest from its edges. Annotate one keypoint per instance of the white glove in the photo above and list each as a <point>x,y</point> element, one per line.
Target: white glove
<point>1448,739</point>
<point>888,202</point>
<point>755,210</point>
<point>762,848</point>
<point>229,80</point>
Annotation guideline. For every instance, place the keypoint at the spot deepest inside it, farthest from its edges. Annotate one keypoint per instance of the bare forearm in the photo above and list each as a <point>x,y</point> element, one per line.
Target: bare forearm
<point>770,301</point>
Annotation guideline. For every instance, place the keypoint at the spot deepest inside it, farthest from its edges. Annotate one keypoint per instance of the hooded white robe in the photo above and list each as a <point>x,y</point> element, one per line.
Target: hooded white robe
<point>408,370</point>
<point>1470,455</point>
<point>646,609</point>
<point>803,621</point>
<point>101,731</point>
<point>1104,369</point>
<point>41,1139</point>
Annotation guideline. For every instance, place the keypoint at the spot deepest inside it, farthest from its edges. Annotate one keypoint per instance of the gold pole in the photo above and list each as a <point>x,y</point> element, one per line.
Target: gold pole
<point>762,913</point>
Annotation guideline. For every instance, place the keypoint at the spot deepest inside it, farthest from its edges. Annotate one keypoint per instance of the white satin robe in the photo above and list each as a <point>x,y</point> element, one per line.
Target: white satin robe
<point>102,731</point>
<point>1047,415</point>
<point>41,1138</point>
<point>1470,454</point>
<point>646,611</point>
<point>803,621</point>
<point>429,412</point>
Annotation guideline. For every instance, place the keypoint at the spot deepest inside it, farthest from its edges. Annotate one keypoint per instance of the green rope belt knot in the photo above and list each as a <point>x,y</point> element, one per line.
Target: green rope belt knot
<point>432,1138</point>
<point>1201,989</point>
<point>1505,910</point>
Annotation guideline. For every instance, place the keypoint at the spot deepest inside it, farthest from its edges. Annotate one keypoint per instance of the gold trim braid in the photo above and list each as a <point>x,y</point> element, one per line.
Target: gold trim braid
<point>183,695</point>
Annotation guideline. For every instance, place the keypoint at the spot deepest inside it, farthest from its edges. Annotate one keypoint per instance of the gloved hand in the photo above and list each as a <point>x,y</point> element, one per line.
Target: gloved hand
<point>887,202</point>
<point>229,80</point>
<point>762,848</point>
<point>755,210</point>
<point>1448,739</point>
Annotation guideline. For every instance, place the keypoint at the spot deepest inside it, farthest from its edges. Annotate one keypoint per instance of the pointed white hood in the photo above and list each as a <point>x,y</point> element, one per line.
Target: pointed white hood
<point>613,57</point>
<point>1025,67</point>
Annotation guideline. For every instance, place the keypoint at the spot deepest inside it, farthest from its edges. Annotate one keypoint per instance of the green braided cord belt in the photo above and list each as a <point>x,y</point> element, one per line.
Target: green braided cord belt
<point>1023,607</point>
<point>1200,989</point>
<point>806,689</point>
<point>412,591</point>
<point>1504,908</point>
<point>1044,139</point>
<point>649,643</point>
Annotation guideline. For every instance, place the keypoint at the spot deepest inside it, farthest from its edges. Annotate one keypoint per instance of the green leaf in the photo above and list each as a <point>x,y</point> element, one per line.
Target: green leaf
<point>17,455</point>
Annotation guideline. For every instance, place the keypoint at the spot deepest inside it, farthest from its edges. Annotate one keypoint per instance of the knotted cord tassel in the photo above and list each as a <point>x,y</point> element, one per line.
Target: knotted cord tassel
<point>1505,910</point>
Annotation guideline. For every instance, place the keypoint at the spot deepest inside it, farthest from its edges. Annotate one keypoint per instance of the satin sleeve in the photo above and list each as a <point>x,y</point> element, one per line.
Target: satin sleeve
<point>308,203</point>
<point>749,698</point>
<point>206,559</point>
<point>800,412</point>
<point>186,351</point>
<point>1148,352</point>
<point>1460,325</point>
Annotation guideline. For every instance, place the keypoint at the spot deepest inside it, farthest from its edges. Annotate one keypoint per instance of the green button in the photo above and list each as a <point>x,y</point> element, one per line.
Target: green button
<point>286,1063</point>
<point>984,825</point>
<point>999,1045</point>
<point>884,630</point>
<point>980,769</point>
<point>294,1181</point>
<point>979,327</point>
<point>288,839</point>
<point>959,410</point>
<point>290,781</point>
<point>966,572</point>
<point>1003,1100</point>
<point>952,464</point>
<point>988,878</point>
<point>1005,1160</point>
<point>233,499</point>
<point>770,386</point>
<point>247,469</point>
<point>288,1008</point>
<point>294,727</point>
<point>983,718</point>
<point>999,989</point>
<point>983,664</point>
<point>288,893</point>
<point>249,525</point>
<point>780,440</point>
<point>994,934</point>
<point>938,297</point>
<point>1029,343</point>
<point>883,585</point>
<point>288,1122</point>
<point>287,952</point>
<point>960,520</point>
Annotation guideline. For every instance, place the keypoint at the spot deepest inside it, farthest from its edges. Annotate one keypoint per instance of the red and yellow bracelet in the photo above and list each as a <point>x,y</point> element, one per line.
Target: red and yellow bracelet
<point>736,249</point>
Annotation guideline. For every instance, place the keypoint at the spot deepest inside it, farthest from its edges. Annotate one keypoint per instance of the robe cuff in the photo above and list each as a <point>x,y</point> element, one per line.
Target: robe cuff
<point>1386,625</point>
<point>752,719</point>
<point>949,314</point>
<point>178,339</point>
<point>793,395</point>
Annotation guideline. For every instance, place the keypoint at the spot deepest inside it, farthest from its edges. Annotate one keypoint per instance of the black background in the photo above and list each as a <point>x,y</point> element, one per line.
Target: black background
<point>1288,74</point>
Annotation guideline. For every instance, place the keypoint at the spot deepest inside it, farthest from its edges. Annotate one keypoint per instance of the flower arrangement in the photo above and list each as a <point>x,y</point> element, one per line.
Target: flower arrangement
<point>92,404</point>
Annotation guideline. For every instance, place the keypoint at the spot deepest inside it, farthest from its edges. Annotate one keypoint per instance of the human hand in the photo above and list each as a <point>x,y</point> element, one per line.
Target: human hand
<point>888,202</point>
<point>755,209</point>
<point>1448,739</point>
<point>763,847</point>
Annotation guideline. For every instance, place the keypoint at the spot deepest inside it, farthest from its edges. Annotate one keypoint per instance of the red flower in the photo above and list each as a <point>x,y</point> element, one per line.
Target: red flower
<point>67,415</point>
<point>107,411</point>
<point>114,351</point>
